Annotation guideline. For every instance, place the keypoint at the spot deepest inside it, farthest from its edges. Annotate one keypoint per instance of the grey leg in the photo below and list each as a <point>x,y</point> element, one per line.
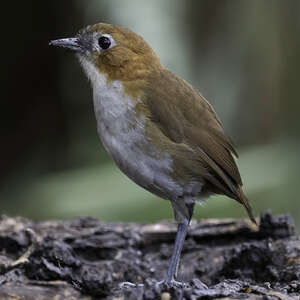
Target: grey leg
<point>180,237</point>
<point>173,267</point>
<point>183,226</point>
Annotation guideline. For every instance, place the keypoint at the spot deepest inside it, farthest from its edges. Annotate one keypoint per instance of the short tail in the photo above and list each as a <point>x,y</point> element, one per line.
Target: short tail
<point>243,200</point>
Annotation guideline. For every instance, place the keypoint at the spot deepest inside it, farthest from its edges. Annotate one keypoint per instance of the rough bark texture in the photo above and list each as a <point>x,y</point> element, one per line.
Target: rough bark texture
<point>87,259</point>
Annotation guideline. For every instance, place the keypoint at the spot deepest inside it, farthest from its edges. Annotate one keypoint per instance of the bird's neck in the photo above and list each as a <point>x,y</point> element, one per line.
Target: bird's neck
<point>112,103</point>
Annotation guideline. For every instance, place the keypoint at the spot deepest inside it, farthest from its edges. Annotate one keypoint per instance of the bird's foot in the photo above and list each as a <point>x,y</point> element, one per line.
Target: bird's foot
<point>197,283</point>
<point>128,285</point>
<point>172,283</point>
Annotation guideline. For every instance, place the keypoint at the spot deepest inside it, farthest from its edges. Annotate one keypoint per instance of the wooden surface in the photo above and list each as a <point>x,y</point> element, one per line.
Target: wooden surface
<point>87,259</point>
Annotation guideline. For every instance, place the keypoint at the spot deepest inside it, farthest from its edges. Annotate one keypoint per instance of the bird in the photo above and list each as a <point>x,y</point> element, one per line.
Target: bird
<point>160,131</point>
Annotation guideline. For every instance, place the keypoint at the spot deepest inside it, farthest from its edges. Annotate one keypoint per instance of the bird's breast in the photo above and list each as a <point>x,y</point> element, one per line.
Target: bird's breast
<point>123,135</point>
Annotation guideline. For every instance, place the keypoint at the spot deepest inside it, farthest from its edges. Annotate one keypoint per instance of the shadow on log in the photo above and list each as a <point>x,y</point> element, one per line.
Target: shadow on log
<point>87,259</point>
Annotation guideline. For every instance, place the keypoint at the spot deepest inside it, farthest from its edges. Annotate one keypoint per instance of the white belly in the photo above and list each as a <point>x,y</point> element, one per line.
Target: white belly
<point>123,136</point>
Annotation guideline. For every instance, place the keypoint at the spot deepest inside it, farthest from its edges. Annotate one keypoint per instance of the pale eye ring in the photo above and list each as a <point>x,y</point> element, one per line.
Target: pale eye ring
<point>104,42</point>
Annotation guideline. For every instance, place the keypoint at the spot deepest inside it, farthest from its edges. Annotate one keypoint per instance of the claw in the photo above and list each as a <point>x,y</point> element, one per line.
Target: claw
<point>199,284</point>
<point>173,283</point>
<point>127,285</point>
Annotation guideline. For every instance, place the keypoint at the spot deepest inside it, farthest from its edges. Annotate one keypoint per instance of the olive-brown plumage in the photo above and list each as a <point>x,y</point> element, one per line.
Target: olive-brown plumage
<point>158,129</point>
<point>194,131</point>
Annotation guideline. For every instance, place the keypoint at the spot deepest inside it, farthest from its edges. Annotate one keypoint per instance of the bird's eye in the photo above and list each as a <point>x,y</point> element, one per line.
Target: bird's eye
<point>104,42</point>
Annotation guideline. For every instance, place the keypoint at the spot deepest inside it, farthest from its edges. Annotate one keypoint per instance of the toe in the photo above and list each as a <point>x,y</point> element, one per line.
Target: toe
<point>127,284</point>
<point>173,283</point>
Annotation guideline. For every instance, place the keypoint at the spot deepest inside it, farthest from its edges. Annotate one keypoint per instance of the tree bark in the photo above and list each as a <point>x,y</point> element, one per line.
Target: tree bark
<point>88,259</point>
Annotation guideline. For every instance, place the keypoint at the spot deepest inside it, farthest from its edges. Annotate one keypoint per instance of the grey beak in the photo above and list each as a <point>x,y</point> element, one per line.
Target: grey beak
<point>69,43</point>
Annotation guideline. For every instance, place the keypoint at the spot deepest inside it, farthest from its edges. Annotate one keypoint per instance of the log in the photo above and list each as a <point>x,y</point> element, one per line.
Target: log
<point>85,258</point>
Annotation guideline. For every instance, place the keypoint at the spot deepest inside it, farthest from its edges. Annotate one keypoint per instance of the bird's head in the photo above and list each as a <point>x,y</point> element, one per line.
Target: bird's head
<point>117,52</point>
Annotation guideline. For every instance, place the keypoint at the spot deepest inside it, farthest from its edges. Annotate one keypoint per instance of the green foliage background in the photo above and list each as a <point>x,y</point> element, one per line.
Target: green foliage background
<point>242,55</point>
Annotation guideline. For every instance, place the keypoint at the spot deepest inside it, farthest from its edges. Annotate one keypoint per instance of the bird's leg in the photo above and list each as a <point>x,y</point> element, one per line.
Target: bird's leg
<point>173,267</point>
<point>180,237</point>
<point>182,230</point>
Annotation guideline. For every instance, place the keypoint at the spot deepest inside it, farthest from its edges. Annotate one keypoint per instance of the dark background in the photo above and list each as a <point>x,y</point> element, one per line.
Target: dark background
<point>244,56</point>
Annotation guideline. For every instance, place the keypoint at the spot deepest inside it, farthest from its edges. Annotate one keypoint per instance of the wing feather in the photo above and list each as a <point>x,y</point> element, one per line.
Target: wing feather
<point>188,121</point>
<point>184,116</point>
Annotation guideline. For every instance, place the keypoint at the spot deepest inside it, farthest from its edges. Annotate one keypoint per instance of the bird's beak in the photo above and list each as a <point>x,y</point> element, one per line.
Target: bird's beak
<point>69,43</point>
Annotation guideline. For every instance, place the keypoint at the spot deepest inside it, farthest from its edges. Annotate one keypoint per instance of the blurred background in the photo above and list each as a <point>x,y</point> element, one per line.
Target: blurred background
<point>244,57</point>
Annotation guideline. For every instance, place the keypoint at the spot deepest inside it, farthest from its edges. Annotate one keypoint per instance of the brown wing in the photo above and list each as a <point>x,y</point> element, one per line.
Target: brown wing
<point>186,118</point>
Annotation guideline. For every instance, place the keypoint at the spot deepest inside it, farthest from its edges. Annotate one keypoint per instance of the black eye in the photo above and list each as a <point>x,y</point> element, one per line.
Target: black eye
<point>104,42</point>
